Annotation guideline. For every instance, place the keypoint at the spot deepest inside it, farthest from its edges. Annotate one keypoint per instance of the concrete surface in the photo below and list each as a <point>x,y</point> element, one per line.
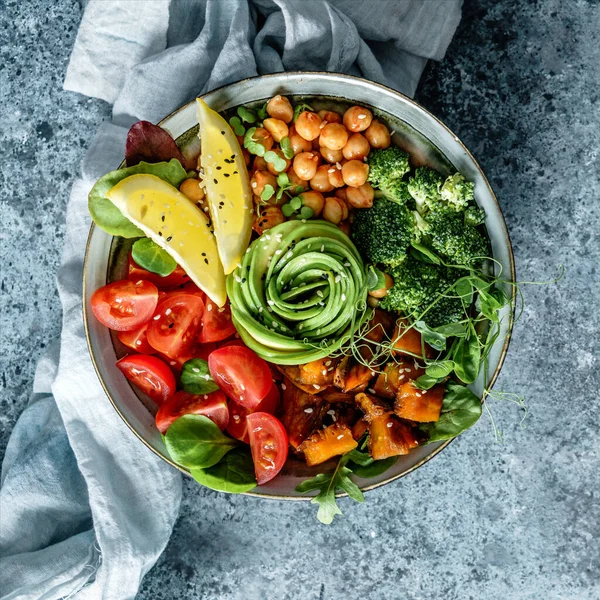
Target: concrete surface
<point>517,521</point>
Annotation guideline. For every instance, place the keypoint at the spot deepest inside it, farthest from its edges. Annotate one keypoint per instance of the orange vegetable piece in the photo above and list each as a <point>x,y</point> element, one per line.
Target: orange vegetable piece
<point>408,340</point>
<point>359,429</point>
<point>325,443</point>
<point>294,406</point>
<point>389,436</point>
<point>414,404</point>
<point>311,377</point>
<point>394,375</point>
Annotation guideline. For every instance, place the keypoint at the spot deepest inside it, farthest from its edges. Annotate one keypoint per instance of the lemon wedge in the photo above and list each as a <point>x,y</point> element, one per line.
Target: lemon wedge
<point>227,186</point>
<point>176,224</point>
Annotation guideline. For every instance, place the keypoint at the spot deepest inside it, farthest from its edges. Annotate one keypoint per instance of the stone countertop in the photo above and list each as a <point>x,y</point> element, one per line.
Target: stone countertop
<point>517,521</point>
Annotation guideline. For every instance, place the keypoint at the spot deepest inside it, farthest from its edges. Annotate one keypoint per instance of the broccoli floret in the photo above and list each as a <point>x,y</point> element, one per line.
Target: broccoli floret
<point>387,166</point>
<point>417,285</point>
<point>424,187</point>
<point>383,233</point>
<point>456,241</point>
<point>474,216</point>
<point>457,192</point>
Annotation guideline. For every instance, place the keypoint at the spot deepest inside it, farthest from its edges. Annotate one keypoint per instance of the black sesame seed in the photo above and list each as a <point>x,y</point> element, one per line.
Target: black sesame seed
<point>163,218</point>
<point>204,254</point>
<point>171,325</point>
<point>243,280</point>
<point>219,168</point>
<point>222,133</point>
<point>206,260</point>
<point>160,233</point>
<point>235,173</point>
<point>215,181</point>
<point>248,268</point>
<point>169,238</point>
<point>226,174</point>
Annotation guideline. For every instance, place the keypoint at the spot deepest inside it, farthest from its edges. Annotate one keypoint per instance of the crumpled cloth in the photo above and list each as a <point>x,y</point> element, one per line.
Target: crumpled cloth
<point>85,508</point>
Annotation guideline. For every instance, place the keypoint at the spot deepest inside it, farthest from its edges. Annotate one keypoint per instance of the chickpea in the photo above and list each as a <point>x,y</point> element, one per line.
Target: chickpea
<point>299,144</point>
<point>333,210</point>
<point>191,189</point>
<point>329,116</point>
<point>308,125</point>
<point>294,179</point>
<point>271,167</point>
<point>382,292</point>
<point>269,217</point>
<point>357,118</point>
<point>331,156</point>
<point>260,179</point>
<point>277,128</point>
<point>335,176</point>
<point>378,135</point>
<point>313,200</point>
<point>355,173</point>
<point>341,193</point>
<point>345,227</point>
<point>259,164</point>
<point>262,136</point>
<point>320,181</point>
<point>360,197</point>
<point>247,157</point>
<point>333,136</point>
<point>279,107</point>
<point>305,165</point>
<point>357,147</point>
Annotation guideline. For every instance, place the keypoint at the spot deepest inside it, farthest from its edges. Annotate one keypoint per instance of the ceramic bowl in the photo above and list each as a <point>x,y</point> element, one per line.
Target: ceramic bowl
<point>427,140</point>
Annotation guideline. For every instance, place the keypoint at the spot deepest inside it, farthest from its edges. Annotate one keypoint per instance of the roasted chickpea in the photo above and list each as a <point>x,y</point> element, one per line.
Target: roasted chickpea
<point>333,210</point>
<point>260,179</point>
<point>320,181</point>
<point>335,176</point>
<point>192,190</point>
<point>331,156</point>
<point>357,118</point>
<point>345,227</point>
<point>333,136</point>
<point>382,292</point>
<point>271,167</point>
<point>262,136</point>
<point>355,173</point>
<point>357,147</point>
<point>305,165</point>
<point>259,164</point>
<point>308,125</point>
<point>279,107</point>
<point>360,197</point>
<point>313,200</point>
<point>299,144</point>
<point>269,217</point>
<point>341,193</point>
<point>277,128</point>
<point>328,116</point>
<point>378,135</point>
<point>345,209</point>
<point>294,179</point>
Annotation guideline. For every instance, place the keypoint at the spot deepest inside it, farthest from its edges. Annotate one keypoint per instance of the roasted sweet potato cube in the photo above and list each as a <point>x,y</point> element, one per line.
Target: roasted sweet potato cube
<point>394,375</point>
<point>358,378</point>
<point>408,340</point>
<point>334,396</point>
<point>380,326</point>
<point>311,377</point>
<point>359,429</point>
<point>323,444</point>
<point>300,412</point>
<point>388,436</point>
<point>372,407</point>
<point>414,404</point>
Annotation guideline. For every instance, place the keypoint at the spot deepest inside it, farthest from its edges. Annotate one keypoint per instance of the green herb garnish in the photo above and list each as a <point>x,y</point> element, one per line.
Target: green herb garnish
<point>195,377</point>
<point>152,257</point>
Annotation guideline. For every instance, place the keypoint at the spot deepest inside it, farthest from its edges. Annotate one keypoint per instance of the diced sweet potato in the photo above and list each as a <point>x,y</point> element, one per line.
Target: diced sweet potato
<point>408,340</point>
<point>311,377</point>
<point>334,396</point>
<point>380,326</point>
<point>394,374</point>
<point>359,429</point>
<point>372,407</point>
<point>300,412</point>
<point>323,444</point>
<point>358,378</point>
<point>388,436</point>
<point>414,404</point>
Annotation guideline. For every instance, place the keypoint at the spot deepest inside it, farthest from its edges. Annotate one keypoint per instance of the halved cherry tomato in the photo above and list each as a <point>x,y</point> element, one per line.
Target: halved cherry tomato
<point>196,351</point>
<point>150,374</point>
<point>175,279</point>
<point>213,406</point>
<point>233,342</point>
<point>125,305</point>
<point>241,374</point>
<point>238,428</point>
<point>176,324</point>
<point>216,322</point>
<point>268,444</point>
<point>137,340</point>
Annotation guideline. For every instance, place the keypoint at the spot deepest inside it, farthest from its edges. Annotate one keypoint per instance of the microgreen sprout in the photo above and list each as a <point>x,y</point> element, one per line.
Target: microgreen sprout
<point>300,108</point>
<point>286,147</point>
<point>273,158</point>
<point>237,126</point>
<point>247,115</point>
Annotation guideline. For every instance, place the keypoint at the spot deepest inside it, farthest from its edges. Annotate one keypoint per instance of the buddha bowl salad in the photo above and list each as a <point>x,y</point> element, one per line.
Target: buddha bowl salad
<point>297,290</point>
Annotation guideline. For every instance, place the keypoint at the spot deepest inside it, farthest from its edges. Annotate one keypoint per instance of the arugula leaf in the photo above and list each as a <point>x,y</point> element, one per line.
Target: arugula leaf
<point>152,257</point>
<point>464,289</point>
<point>234,474</point>
<point>107,216</point>
<point>195,377</point>
<point>194,441</point>
<point>327,484</point>
<point>461,409</point>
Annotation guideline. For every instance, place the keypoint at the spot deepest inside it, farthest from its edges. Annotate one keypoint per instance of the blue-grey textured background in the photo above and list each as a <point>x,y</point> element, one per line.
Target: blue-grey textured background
<point>518,521</point>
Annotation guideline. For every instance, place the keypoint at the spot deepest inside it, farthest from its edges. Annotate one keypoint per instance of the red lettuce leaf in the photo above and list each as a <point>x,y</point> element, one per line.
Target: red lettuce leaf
<point>152,144</point>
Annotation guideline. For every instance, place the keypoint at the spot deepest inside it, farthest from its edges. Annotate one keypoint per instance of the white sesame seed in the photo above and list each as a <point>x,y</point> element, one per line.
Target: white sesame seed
<point>308,410</point>
<point>236,418</point>
<point>138,342</point>
<point>390,424</point>
<point>172,363</point>
<point>362,116</point>
<point>418,395</point>
<point>343,297</point>
<point>339,437</point>
<point>157,317</point>
<point>332,170</point>
<point>195,370</point>
<point>254,184</point>
<point>324,371</point>
<point>316,386</point>
<point>338,279</point>
<point>337,164</point>
<point>371,391</point>
<point>283,386</point>
<point>320,293</point>
<point>327,363</point>
<point>209,307</point>
<point>331,412</point>
<point>274,324</point>
<point>408,369</point>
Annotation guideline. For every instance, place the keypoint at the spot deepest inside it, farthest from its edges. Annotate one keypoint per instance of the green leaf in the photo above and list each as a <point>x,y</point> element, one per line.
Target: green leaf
<point>267,193</point>
<point>461,409</point>
<point>452,330</point>
<point>283,179</point>
<point>287,210</point>
<point>194,441</point>
<point>363,465</point>
<point>234,474</point>
<point>247,115</point>
<point>306,212</point>
<point>195,377</point>
<point>270,156</point>
<point>296,203</point>
<point>375,279</point>
<point>440,368</point>
<point>152,257</point>
<point>433,338</point>
<point>467,358</point>
<point>464,289</point>
<point>424,254</point>
<point>426,382</point>
<point>262,112</point>
<point>300,108</point>
<point>299,189</point>
<point>237,126</point>
<point>286,147</point>
<point>107,216</point>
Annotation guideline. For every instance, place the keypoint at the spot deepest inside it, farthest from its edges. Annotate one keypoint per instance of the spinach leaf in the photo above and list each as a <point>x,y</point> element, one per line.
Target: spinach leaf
<point>461,408</point>
<point>194,441</point>
<point>363,465</point>
<point>107,216</point>
<point>452,329</point>
<point>433,338</point>
<point>467,357</point>
<point>426,382</point>
<point>375,279</point>
<point>234,474</point>
<point>440,368</point>
<point>152,257</point>
<point>195,377</point>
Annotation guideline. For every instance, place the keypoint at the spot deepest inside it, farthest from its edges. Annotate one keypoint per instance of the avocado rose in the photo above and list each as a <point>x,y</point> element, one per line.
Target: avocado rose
<point>300,292</point>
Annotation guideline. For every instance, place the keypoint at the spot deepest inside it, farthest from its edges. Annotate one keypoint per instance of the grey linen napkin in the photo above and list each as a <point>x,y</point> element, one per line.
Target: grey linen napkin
<point>86,509</point>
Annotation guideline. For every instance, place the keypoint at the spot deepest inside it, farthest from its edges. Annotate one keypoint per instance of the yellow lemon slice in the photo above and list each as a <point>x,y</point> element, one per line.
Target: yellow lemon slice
<point>227,186</point>
<point>176,224</point>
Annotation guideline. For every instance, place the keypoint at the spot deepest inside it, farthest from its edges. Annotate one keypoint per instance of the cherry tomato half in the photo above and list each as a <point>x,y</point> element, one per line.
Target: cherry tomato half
<point>213,406</point>
<point>233,342</point>
<point>241,374</point>
<point>150,374</point>
<point>124,305</point>
<point>176,324</point>
<point>137,340</point>
<point>268,444</point>
<point>238,428</point>
<point>216,322</point>
<point>176,278</point>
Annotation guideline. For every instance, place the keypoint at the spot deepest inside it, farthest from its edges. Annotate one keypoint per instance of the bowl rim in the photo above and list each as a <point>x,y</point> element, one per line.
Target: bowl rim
<point>502,224</point>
